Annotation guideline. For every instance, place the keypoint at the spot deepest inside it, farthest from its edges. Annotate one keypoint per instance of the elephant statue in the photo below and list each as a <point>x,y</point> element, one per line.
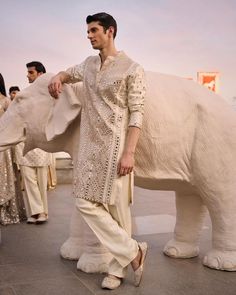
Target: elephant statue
<point>187,145</point>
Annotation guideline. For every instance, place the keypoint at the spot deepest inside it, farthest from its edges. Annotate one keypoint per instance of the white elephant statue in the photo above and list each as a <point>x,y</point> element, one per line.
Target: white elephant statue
<point>187,144</point>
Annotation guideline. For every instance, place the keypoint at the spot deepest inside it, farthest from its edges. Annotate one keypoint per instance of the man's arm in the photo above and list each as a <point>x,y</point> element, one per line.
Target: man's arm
<point>126,163</point>
<point>71,75</point>
<point>136,93</point>
<point>55,85</point>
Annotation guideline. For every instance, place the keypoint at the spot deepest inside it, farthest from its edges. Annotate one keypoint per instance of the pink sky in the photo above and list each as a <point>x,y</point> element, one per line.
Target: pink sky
<point>175,37</point>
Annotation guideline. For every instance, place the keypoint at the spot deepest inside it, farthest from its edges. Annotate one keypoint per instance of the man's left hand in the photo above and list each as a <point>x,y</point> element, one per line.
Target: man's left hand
<point>126,164</point>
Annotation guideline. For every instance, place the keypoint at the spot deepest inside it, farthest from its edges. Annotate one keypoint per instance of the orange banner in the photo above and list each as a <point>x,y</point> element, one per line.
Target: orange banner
<point>209,80</point>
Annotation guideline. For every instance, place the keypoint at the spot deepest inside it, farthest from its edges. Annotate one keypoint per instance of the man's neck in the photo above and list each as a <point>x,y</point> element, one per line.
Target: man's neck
<point>108,51</point>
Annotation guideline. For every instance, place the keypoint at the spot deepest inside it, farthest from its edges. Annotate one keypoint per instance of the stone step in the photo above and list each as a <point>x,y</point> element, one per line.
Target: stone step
<point>64,163</point>
<point>64,170</point>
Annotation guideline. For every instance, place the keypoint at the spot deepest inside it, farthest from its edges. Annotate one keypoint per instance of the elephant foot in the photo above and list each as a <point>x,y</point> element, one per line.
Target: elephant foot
<point>94,263</point>
<point>221,260</point>
<point>181,249</point>
<point>71,249</point>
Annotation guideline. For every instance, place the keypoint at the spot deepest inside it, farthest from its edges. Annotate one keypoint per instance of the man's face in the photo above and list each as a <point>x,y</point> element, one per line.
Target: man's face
<point>32,74</point>
<point>98,38</point>
<point>13,94</point>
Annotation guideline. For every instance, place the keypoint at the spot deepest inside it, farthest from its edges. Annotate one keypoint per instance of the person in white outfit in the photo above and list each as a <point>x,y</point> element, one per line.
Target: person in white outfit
<point>111,118</point>
<point>34,167</point>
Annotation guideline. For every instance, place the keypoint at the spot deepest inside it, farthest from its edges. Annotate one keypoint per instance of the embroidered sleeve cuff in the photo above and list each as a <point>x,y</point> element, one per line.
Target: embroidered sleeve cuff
<point>136,119</point>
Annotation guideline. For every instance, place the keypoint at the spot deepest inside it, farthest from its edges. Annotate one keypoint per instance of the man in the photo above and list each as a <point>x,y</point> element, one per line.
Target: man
<point>13,91</point>
<point>34,166</point>
<point>18,177</point>
<point>35,69</point>
<point>111,117</point>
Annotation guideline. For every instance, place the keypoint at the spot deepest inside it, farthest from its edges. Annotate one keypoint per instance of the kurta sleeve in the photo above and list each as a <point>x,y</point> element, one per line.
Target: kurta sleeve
<point>76,72</point>
<point>136,95</point>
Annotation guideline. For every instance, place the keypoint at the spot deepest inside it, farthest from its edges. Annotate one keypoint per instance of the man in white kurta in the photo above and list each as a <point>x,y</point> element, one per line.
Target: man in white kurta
<point>34,167</point>
<point>111,116</point>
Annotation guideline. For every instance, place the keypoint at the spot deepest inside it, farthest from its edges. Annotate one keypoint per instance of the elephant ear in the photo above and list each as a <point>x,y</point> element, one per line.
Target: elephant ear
<point>66,108</point>
<point>11,133</point>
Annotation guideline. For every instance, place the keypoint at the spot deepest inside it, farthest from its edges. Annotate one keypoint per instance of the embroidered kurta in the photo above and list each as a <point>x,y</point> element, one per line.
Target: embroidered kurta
<point>113,100</point>
<point>9,211</point>
<point>34,158</point>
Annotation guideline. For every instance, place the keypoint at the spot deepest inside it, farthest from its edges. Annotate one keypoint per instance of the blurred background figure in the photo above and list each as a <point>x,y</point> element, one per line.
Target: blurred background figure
<point>34,70</point>
<point>52,175</point>
<point>13,91</point>
<point>12,208</point>
<point>34,167</point>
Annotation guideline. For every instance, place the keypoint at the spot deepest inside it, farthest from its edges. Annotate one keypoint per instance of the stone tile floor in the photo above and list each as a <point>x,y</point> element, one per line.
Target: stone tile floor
<point>30,263</point>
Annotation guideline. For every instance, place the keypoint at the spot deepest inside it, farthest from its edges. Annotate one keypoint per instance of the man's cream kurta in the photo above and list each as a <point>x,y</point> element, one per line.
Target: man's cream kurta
<point>113,100</point>
<point>34,158</point>
<point>33,168</point>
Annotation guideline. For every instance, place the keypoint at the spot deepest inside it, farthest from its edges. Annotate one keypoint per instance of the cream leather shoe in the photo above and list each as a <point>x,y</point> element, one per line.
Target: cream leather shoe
<point>41,218</point>
<point>31,220</point>
<point>111,283</point>
<point>139,272</point>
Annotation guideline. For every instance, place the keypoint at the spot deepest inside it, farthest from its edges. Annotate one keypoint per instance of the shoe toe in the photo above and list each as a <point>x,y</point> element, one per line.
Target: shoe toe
<point>111,283</point>
<point>31,220</point>
<point>41,219</point>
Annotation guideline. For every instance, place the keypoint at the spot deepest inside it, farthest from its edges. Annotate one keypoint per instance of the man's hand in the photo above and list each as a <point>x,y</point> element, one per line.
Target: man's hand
<point>55,86</point>
<point>126,164</point>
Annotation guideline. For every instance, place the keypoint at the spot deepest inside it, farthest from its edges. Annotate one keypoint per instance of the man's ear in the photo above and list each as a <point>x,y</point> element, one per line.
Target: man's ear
<point>111,32</point>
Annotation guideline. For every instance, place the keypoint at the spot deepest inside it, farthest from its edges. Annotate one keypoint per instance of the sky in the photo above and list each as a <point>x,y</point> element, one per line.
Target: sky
<point>177,37</point>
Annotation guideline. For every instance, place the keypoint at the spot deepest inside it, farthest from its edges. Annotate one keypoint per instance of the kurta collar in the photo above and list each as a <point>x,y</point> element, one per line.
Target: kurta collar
<point>109,59</point>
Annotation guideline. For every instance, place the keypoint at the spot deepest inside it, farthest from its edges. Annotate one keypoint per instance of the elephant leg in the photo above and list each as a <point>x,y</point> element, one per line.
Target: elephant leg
<point>84,246</point>
<point>222,210</point>
<point>95,257</point>
<point>190,213</point>
<point>73,246</point>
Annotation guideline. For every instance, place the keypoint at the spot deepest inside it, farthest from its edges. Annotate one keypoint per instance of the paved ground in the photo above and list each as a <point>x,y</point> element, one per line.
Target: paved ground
<point>30,263</point>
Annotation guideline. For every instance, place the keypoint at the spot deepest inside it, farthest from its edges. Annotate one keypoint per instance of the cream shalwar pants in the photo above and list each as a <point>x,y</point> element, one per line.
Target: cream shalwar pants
<point>35,183</point>
<point>112,226</point>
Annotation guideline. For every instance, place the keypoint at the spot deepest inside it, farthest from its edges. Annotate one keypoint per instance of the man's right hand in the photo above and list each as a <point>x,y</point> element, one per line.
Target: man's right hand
<point>55,86</point>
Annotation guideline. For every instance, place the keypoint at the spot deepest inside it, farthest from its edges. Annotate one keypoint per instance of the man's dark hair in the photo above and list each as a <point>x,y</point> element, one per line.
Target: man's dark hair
<point>39,67</point>
<point>104,19</point>
<point>2,85</point>
<point>14,88</point>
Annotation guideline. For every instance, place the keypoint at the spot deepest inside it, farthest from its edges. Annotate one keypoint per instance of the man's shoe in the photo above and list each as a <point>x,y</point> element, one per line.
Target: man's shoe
<point>139,271</point>
<point>111,282</point>
<point>31,220</point>
<point>41,219</point>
